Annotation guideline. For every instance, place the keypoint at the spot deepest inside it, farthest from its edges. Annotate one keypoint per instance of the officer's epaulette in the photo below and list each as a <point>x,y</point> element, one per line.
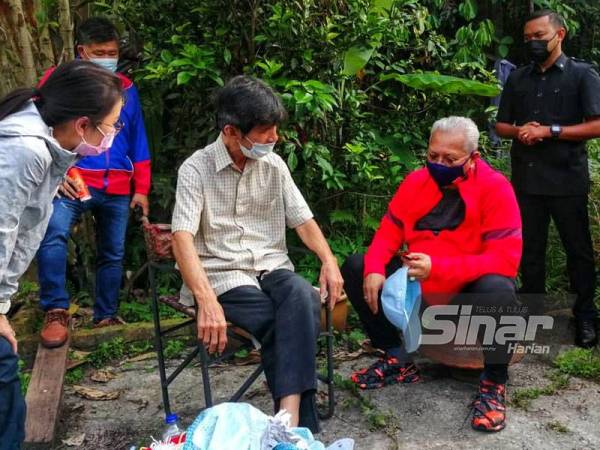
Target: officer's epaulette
<point>583,61</point>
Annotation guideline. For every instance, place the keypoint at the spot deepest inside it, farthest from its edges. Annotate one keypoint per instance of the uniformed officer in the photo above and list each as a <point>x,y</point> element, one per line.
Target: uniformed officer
<point>550,108</point>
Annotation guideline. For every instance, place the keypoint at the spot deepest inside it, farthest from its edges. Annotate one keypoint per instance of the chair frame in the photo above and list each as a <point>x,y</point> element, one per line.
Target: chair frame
<point>247,341</point>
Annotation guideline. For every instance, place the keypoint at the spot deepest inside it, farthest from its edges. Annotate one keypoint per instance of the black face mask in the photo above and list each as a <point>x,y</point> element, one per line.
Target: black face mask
<point>537,49</point>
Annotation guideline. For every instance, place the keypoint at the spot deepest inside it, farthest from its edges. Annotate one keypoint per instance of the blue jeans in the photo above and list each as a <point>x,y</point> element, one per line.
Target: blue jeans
<point>12,404</point>
<point>111,213</point>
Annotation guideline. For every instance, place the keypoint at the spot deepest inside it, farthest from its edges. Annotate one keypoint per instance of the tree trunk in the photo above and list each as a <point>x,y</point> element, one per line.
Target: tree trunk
<point>45,43</point>
<point>8,56</point>
<point>66,30</point>
<point>23,40</point>
<point>7,80</point>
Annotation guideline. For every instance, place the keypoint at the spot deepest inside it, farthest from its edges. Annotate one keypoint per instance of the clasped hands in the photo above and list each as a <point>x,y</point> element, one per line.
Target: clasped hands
<point>532,133</point>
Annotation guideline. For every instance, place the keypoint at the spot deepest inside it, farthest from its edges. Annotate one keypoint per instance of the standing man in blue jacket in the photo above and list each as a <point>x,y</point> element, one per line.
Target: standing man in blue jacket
<point>117,180</point>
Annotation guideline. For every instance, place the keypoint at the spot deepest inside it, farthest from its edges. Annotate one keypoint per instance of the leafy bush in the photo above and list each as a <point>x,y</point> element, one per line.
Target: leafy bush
<point>354,131</point>
<point>363,81</point>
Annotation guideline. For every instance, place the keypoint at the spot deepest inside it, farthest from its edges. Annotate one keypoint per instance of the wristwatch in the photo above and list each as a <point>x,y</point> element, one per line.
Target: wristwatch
<point>555,130</point>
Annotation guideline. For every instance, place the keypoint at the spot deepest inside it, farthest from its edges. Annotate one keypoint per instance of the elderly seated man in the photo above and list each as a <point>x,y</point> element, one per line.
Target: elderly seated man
<point>234,200</point>
<point>458,225</point>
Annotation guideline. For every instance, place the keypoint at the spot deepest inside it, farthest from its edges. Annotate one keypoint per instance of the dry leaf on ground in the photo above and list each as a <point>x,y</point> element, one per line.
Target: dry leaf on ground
<point>103,376</point>
<point>75,441</point>
<point>142,357</point>
<point>95,394</point>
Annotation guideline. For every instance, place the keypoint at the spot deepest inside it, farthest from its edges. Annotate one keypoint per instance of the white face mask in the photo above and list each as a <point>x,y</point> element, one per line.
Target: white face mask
<point>257,151</point>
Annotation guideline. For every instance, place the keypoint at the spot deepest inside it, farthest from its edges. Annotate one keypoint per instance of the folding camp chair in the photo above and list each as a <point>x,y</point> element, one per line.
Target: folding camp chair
<point>158,240</point>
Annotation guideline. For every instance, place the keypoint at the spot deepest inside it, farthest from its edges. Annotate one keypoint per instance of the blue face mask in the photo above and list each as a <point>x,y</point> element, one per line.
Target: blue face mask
<point>106,63</point>
<point>444,175</point>
<point>257,150</point>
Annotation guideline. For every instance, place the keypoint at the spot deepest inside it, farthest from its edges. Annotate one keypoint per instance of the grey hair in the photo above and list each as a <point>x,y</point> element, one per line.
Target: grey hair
<point>465,125</point>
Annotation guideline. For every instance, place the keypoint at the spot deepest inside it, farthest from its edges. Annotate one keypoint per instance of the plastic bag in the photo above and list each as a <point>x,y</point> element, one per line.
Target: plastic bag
<point>240,426</point>
<point>235,426</point>
<point>278,433</point>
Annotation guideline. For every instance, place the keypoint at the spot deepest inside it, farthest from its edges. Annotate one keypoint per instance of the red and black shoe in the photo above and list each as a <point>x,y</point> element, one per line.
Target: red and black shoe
<point>489,409</point>
<point>384,372</point>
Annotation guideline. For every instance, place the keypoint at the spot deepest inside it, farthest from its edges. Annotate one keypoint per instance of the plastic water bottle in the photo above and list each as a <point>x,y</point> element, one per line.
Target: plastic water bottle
<point>172,432</point>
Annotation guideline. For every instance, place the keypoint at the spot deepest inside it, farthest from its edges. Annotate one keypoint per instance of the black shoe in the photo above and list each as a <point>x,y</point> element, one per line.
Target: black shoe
<point>586,335</point>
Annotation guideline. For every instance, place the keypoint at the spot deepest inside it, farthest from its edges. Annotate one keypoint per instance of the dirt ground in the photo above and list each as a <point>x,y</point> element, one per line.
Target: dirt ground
<point>427,415</point>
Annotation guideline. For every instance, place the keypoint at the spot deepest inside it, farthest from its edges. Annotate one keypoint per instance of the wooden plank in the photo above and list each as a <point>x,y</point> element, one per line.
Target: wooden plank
<point>44,395</point>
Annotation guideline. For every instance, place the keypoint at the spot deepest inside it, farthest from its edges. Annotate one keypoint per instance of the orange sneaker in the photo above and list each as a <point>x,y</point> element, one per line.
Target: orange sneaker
<point>384,372</point>
<point>489,409</point>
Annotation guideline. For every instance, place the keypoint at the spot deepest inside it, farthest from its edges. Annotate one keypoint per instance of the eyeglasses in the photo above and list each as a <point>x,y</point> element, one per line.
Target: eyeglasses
<point>448,162</point>
<point>117,126</point>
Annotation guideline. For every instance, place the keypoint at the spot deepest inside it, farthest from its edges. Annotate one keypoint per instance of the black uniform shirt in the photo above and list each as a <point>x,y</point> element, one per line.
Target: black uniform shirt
<point>565,94</point>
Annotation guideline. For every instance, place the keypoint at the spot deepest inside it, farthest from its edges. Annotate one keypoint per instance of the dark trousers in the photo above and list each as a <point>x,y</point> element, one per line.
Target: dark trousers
<point>12,405</point>
<point>287,303</point>
<point>570,215</point>
<point>493,294</point>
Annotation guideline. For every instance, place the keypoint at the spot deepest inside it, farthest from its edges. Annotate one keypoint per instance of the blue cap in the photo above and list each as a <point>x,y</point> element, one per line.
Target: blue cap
<point>171,418</point>
<point>401,302</point>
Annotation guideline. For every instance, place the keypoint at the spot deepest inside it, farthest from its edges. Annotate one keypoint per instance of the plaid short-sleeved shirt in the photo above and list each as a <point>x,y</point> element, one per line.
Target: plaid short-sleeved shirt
<point>238,219</point>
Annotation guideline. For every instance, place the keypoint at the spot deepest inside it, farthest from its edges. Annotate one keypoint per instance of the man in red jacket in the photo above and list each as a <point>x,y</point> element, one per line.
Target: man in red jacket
<point>458,224</point>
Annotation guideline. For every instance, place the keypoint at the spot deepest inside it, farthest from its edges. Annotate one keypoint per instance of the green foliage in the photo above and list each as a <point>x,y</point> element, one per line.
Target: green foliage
<point>117,348</point>
<point>24,377</point>
<point>521,398</point>
<point>468,9</point>
<point>376,418</point>
<point>355,59</point>
<point>568,12</point>
<point>363,80</point>
<point>242,353</point>
<point>136,348</point>
<point>352,133</point>
<point>74,375</point>
<point>107,351</point>
<point>445,83</point>
<point>184,64</point>
<point>141,311</point>
<point>580,362</point>
<point>174,348</point>
<point>309,266</point>
<point>557,277</point>
<point>354,339</point>
<point>27,288</point>
<point>135,312</point>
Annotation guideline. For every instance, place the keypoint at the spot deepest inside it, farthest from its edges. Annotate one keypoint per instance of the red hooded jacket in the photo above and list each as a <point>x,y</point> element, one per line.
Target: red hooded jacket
<point>487,242</point>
